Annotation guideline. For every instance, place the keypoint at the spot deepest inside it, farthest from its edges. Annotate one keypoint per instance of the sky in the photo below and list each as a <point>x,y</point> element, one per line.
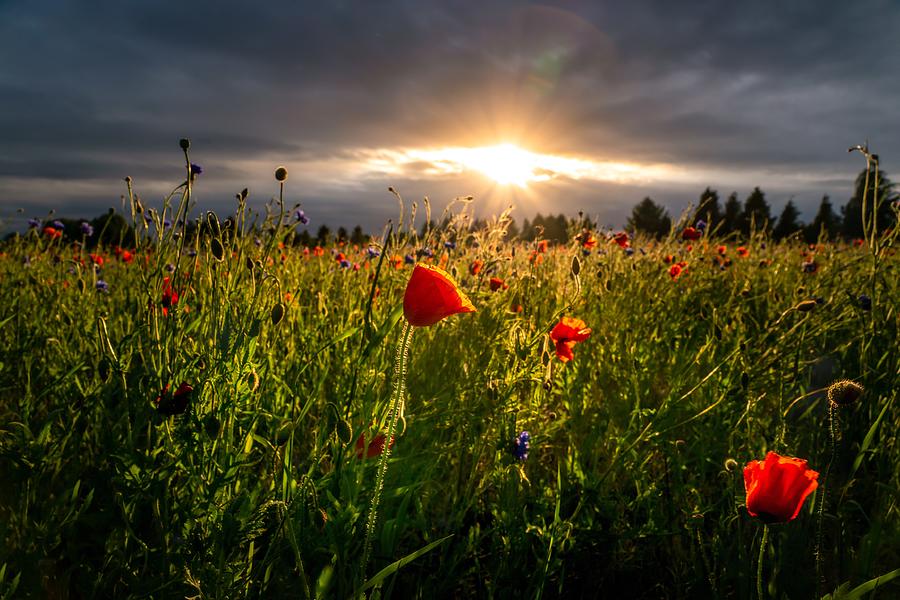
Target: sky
<point>550,107</point>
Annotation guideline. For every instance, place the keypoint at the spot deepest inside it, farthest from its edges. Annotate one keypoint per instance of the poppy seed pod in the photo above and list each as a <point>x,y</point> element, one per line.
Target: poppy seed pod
<point>184,143</point>
<point>844,392</point>
<point>281,174</point>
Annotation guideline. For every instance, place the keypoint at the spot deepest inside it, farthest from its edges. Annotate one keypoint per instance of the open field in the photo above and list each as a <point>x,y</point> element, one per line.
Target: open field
<point>119,481</point>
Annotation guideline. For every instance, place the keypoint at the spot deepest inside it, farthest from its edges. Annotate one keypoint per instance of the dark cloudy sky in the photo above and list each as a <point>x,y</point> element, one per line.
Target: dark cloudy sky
<point>351,95</point>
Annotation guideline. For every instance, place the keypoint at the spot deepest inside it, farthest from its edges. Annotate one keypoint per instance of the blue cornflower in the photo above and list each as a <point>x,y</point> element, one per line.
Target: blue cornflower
<point>86,229</point>
<point>585,252</point>
<point>865,302</point>
<point>195,170</point>
<point>170,267</point>
<point>701,225</point>
<point>167,223</point>
<point>58,225</point>
<point>450,245</point>
<point>426,251</point>
<point>409,259</point>
<point>521,445</point>
<point>192,253</point>
<point>373,252</point>
<point>345,264</point>
<point>629,251</point>
<point>102,286</point>
<point>301,216</point>
<point>34,223</point>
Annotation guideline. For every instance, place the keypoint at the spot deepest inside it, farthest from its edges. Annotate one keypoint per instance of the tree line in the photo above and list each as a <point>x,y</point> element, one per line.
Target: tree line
<point>754,213</point>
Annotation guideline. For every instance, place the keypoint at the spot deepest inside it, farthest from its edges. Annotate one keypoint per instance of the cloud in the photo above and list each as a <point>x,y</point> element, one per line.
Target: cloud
<point>764,93</point>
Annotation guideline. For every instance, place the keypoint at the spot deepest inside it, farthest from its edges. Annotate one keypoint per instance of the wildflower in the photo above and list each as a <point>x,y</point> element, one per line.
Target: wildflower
<point>169,296</point>
<point>516,308</point>
<point>587,239</point>
<point>496,283</point>
<point>102,286</point>
<point>345,264</point>
<point>809,266</point>
<point>174,404</point>
<point>170,268</point>
<point>844,392</point>
<point>722,250</point>
<point>300,216</point>
<point>621,239</point>
<point>409,259</point>
<point>396,262</point>
<point>675,271</point>
<point>340,256</point>
<point>777,487</point>
<point>475,267</point>
<point>373,449</point>
<point>195,170</point>
<point>542,246</point>
<point>701,225</point>
<point>126,256</point>
<point>857,243</point>
<point>52,233</point>
<point>450,245</point>
<point>521,445</point>
<point>690,233</point>
<point>258,242</point>
<point>318,251</point>
<point>426,251</point>
<point>743,252</point>
<point>192,253</point>
<point>865,302</point>
<point>96,259</point>
<point>34,223</point>
<point>58,225</point>
<point>432,295</point>
<point>566,334</point>
<point>372,252</point>
<point>86,229</point>
<point>629,251</point>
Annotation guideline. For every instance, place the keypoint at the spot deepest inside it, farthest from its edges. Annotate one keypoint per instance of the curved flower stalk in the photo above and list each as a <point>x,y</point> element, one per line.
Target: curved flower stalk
<point>431,295</point>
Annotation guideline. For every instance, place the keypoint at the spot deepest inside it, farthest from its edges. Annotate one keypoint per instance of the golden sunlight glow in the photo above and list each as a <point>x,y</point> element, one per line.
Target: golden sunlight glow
<point>504,164</point>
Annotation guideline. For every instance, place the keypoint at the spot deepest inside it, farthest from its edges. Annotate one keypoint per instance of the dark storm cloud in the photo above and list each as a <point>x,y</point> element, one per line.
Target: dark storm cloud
<point>92,92</point>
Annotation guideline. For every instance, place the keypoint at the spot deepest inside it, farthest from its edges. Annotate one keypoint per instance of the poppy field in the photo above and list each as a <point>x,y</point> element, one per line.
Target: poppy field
<point>208,409</point>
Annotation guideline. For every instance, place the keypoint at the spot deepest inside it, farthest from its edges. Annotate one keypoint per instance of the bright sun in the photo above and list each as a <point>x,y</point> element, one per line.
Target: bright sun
<point>506,164</point>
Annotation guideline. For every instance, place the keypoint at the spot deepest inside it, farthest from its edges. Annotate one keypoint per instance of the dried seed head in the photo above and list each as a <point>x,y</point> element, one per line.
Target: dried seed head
<point>281,174</point>
<point>844,392</point>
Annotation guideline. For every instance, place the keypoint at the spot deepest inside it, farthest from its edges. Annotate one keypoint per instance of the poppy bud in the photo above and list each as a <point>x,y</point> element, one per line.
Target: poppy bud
<point>576,266</point>
<point>806,305</point>
<point>211,425</point>
<point>184,143</point>
<point>281,174</point>
<point>253,381</point>
<point>218,251</point>
<point>844,392</point>
<point>249,264</point>
<point>344,431</point>
<point>277,313</point>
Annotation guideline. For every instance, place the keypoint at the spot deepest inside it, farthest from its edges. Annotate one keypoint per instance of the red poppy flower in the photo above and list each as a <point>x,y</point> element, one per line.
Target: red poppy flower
<point>475,267</point>
<point>542,246</point>
<point>691,233</point>
<point>52,233</point>
<point>496,283</point>
<point>722,250</point>
<point>587,239</point>
<point>858,242</point>
<point>621,239</point>
<point>566,334</point>
<point>675,271</point>
<point>174,404</point>
<point>777,486</point>
<point>397,262</point>
<point>126,256</point>
<point>340,256</point>
<point>373,449</point>
<point>431,295</point>
<point>169,296</point>
<point>743,252</point>
<point>318,251</point>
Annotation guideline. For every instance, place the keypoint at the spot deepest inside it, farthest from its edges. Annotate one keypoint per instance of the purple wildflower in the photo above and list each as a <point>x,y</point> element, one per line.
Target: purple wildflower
<point>58,225</point>
<point>102,286</point>
<point>521,445</point>
<point>701,225</point>
<point>373,252</point>
<point>34,223</point>
<point>345,264</point>
<point>865,302</point>
<point>195,170</point>
<point>300,216</point>
<point>86,229</point>
<point>450,245</point>
<point>409,259</point>
<point>170,267</point>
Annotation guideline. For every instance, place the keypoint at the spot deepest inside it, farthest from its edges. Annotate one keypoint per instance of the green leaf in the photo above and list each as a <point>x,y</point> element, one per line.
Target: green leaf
<point>395,566</point>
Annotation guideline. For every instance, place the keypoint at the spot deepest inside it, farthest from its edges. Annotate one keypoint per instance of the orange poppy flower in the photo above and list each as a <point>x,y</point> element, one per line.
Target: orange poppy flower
<point>743,252</point>
<point>542,246</point>
<point>566,334</point>
<point>675,271</point>
<point>432,295</point>
<point>777,487</point>
<point>475,267</point>
<point>722,250</point>
<point>621,239</point>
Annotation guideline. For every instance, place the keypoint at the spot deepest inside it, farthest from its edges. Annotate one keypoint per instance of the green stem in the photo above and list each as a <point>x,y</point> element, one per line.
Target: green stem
<point>823,490</point>
<point>398,391</point>
<point>759,563</point>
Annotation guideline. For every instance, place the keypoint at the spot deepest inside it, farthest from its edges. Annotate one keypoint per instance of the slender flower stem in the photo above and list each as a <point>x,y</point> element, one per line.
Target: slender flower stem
<point>823,490</point>
<point>398,391</point>
<point>759,563</point>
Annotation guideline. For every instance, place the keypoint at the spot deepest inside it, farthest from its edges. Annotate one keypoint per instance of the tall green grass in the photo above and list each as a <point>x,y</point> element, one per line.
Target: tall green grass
<point>633,485</point>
